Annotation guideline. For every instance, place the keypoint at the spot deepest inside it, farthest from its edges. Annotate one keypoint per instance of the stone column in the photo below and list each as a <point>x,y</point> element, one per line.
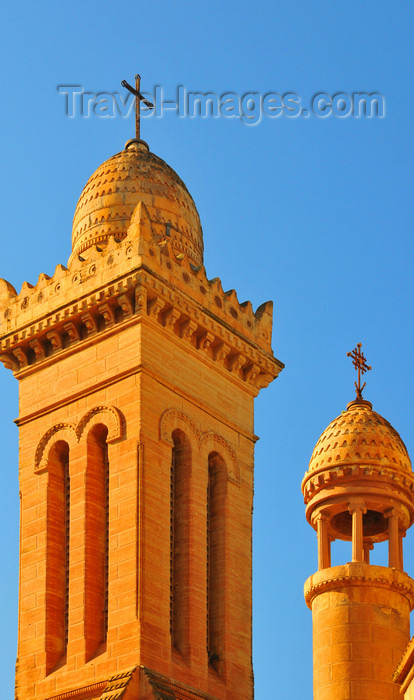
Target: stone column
<point>402,534</point>
<point>357,510</point>
<point>368,547</point>
<point>324,544</point>
<point>394,556</point>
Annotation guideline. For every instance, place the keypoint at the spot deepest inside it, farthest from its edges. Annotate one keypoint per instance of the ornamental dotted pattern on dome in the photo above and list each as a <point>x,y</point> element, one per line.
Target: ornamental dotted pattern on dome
<point>359,435</point>
<point>109,198</point>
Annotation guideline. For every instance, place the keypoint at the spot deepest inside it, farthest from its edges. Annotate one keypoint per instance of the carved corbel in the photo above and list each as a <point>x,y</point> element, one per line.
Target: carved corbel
<point>125,302</point>
<point>140,300</point>
<point>73,332</point>
<point>9,362</point>
<point>90,322</point>
<point>206,340</point>
<point>251,373</point>
<point>155,306</point>
<point>21,356</point>
<point>55,340</point>
<point>263,380</point>
<point>170,317</point>
<point>188,329</point>
<point>236,362</point>
<point>108,314</point>
<point>38,348</point>
<point>221,352</point>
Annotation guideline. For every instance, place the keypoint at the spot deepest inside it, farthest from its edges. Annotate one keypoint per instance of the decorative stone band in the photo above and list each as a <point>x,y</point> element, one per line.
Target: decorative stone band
<point>313,483</point>
<point>113,688</point>
<point>358,574</point>
<point>133,299</point>
<point>88,691</point>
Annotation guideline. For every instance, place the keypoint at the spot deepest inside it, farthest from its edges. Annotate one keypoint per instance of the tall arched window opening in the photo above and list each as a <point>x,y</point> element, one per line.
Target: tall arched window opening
<point>57,554</point>
<point>96,540</point>
<point>180,526</point>
<point>216,558</point>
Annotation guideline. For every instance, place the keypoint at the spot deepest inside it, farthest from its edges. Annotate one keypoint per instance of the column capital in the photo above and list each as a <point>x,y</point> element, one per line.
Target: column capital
<point>392,513</point>
<point>357,505</point>
<point>368,545</point>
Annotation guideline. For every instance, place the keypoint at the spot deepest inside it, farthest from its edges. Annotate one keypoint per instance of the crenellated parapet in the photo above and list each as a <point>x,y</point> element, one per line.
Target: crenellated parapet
<point>139,279</point>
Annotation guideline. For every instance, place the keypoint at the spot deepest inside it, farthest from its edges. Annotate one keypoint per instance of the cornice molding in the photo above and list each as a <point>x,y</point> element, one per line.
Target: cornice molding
<point>358,574</point>
<point>141,277</point>
<point>315,482</point>
<point>136,299</point>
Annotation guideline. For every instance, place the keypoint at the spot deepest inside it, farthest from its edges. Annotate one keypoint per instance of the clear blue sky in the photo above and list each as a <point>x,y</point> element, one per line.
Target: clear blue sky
<point>312,213</point>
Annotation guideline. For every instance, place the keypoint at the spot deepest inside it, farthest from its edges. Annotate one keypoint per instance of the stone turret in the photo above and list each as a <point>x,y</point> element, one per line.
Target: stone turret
<point>359,487</point>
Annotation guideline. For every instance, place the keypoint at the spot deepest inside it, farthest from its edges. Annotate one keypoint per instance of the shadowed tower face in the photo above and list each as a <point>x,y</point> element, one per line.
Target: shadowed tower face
<point>137,377</point>
<point>358,488</point>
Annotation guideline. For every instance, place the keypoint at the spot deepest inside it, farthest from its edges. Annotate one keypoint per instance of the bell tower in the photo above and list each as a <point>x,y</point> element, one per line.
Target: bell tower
<point>137,376</point>
<point>359,487</point>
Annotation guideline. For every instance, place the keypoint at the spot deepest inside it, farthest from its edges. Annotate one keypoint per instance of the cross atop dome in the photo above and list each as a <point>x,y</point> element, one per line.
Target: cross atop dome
<point>138,97</point>
<point>360,364</point>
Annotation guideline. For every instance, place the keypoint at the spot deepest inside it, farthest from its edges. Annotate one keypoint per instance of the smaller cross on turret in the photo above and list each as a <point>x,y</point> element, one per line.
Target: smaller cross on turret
<point>360,364</point>
<point>138,97</point>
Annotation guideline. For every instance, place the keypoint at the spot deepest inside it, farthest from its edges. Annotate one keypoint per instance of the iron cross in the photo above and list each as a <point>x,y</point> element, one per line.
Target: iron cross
<point>138,97</point>
<point>360,363</point>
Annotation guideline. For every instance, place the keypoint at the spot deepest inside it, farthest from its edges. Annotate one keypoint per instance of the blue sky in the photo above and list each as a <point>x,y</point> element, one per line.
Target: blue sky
<point>311,212</point>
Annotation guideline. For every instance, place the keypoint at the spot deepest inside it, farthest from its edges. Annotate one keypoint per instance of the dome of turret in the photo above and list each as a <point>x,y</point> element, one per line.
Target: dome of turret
<point>359,436</point>
<point>111,194</point>
<point>359,456</point>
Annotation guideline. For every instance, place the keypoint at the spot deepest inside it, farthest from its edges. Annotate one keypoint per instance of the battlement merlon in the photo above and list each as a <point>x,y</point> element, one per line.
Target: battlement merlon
<point>143,276</point>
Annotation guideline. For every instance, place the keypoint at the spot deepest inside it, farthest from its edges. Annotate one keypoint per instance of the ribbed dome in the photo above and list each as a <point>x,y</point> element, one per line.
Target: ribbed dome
<point>111,194</point>
<point>359,436</point>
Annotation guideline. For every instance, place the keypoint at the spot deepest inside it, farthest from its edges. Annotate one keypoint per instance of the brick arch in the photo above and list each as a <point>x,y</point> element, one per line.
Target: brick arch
<point>109,416</point>
<point>212,442</point>
<point>61,431</point>
<point>173,419</point>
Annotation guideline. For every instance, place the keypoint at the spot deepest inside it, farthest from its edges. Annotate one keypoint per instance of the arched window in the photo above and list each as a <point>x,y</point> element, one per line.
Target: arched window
<point>57,554</point>
<point>96,539</point>
<point>180,542</point>
<point>216,559</point>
